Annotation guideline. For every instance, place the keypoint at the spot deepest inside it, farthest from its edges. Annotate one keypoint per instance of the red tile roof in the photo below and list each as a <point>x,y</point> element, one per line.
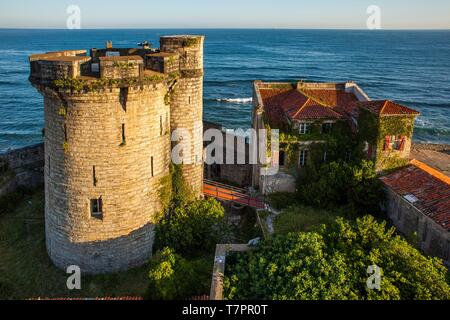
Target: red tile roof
<point>274,100</point>
<point>310,102</point>
<point>330,97</point>
<point>306,104</point>
<point>312,110</point>
<point>429,186</point>
<point>386,107</point>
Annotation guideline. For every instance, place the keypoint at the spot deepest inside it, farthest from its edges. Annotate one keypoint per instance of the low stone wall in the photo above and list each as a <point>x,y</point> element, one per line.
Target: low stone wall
<point>26,168</point>
<point>432,239</point>
<point>219,267</point>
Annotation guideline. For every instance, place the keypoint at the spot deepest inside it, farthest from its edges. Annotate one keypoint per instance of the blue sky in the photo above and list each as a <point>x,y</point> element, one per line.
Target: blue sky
<point>395,14</point>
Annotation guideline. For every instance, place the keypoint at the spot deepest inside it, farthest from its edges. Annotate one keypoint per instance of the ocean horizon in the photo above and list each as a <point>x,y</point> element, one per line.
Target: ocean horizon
<point>411,67</point>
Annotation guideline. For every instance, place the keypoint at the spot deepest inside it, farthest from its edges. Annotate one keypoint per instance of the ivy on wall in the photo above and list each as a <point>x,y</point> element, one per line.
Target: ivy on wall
<point>190,42</point>
<point>336,144</point>
<point>368,124</point>
<point>76,84</point>
<point>396,125</point>
<point>173,190</point>
<point>124,65</point>
<point>374,130</point>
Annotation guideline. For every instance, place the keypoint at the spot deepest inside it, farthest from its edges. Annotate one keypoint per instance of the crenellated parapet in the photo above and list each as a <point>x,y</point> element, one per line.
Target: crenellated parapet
<point>51,66</point>
<point>189,48</point>
<point>104,68</point>
<point>164,62</point>
<point>121,67</point>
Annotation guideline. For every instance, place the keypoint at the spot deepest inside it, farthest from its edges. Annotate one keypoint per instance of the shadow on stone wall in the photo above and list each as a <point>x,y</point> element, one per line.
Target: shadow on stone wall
<point>98,257</point>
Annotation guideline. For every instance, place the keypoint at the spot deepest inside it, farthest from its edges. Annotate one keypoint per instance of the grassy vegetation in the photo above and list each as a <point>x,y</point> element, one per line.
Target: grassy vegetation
<point>303,219</point>
<point>27,272</point>
<point>248,227</point>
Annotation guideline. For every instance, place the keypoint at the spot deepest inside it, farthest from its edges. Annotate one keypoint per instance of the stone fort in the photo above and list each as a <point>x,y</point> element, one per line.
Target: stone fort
<point>109,118</point>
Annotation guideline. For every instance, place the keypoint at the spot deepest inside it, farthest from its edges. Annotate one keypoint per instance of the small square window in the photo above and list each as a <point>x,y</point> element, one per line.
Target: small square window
<point>327,127</point>
<point>97,208</point>
<point>305,127</point>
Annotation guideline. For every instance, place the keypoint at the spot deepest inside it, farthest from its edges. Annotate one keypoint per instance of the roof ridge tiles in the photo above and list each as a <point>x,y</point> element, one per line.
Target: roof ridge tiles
<point>302,107</point>
<point>431,171</point>
<point>312,98</point>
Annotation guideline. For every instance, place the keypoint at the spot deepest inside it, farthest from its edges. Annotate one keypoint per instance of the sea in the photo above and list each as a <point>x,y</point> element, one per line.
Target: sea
<point>409,67</point>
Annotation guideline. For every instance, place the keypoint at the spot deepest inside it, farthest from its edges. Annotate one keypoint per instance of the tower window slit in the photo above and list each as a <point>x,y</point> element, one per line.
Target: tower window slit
<point>123,134</point>
<point>151,164</point>
<point>94,177</point>
<point>65,133</point>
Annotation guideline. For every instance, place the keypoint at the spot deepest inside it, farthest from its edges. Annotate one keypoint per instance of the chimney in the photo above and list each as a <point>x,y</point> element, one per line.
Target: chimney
<point>109,44</point>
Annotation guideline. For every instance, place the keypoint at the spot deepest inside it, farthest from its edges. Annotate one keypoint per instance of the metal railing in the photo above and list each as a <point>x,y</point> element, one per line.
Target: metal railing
<point>229,193</point>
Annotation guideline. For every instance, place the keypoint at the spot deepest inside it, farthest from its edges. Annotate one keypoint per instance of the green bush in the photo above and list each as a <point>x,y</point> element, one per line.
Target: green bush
<point>173,277</point>
<point>193,228</point>
<point>188,225</point>
<point>342,184</point>
<point>281,200</point>
<point>301,218</point>
<point>333,263</point>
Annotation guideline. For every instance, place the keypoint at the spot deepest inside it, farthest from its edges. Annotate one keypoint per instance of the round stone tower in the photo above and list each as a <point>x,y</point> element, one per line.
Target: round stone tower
<point>187,104</point>
<point>107,146</point>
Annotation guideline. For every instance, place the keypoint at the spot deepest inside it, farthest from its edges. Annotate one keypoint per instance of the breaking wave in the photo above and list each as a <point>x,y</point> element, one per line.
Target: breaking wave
<point>236,100</point>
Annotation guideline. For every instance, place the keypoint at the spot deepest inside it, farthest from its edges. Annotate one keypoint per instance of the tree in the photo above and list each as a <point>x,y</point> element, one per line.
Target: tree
<point>333,263</point>
<point>173,277</point>
<point>188,225</point>
<point>342,184</point>
<point>194,227</point>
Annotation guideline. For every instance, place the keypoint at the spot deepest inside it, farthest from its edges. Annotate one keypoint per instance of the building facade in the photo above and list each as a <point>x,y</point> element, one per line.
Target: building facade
<point>109,122</point>
<point>322,122</point>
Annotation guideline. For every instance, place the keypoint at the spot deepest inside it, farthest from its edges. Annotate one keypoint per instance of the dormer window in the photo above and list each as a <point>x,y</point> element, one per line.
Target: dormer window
<point>305,128</point>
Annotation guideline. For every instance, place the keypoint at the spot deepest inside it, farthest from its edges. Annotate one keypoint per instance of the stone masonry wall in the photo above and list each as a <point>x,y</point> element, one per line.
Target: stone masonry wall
<point>187,102</point>
<point>123,172</point>
<point>112,141</point>
<point>26,164</point>
<point>431,237</point>
<point>187,114</point>
<point>120,67</point>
